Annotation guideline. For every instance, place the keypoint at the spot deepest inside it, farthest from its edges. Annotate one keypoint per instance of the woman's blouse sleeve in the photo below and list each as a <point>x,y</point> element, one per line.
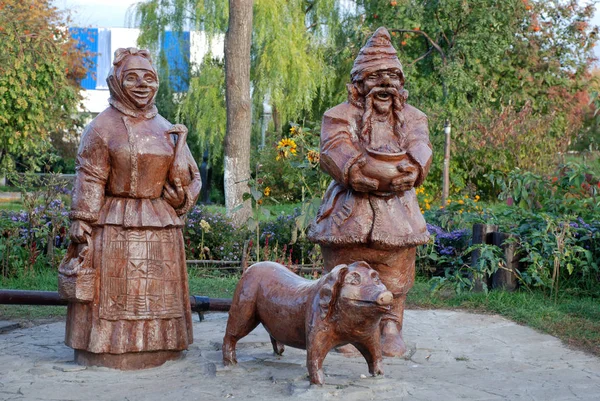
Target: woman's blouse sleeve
<point>92,166</point>
<point>192,191</point>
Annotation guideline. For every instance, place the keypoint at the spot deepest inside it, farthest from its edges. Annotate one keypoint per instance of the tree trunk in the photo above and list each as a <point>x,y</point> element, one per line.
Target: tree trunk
<point>276,122</point>
<point>239,114</point>
<point>482,234</point>
<point>446,171</point>
<point>506,278</point>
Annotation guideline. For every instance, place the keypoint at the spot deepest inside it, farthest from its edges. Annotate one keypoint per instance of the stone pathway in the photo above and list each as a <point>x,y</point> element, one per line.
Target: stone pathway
<point>455,356</point>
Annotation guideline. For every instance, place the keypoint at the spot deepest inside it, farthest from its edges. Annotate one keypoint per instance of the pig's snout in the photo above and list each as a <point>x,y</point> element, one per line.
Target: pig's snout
<point>385,298</point>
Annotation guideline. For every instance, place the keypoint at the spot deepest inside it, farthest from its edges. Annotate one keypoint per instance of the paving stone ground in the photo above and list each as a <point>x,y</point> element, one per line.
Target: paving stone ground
<point>455,356</point>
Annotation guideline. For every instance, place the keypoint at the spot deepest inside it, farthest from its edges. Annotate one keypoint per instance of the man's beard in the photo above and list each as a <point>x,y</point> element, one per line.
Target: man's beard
<point>398,100</point>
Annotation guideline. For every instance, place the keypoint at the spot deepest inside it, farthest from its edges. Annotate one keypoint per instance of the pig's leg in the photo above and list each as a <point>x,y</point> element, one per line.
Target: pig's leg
<point>317,347</point>
<point>233,335</point>
<point>372,353</point>
<point>278,347</point>
<point>242,320</point>
<point>314,363</point>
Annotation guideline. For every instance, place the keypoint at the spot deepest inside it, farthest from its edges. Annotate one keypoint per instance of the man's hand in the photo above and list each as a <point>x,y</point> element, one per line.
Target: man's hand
<point>409,172</point>
<point>174,196</point>
<point>78,231</point>
<point>360,182</point>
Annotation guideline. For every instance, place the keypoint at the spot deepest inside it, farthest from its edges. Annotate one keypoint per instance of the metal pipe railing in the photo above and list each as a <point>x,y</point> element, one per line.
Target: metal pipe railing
<point>50,298</point>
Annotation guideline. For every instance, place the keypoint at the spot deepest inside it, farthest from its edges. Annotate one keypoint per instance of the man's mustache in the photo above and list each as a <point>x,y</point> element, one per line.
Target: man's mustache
<point>398,98</point>
<point>384,90</point>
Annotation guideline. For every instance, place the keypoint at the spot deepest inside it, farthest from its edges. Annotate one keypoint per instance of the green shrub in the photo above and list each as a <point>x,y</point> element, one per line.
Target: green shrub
<point>289,167</point>
<point>554,217</point>
<point>220,240</point>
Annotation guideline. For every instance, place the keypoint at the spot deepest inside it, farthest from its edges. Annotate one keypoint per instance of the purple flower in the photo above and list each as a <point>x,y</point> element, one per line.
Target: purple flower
<point>55,204</point>
<point>441,234</point>
<point>584,224</point>
<point>434,229</point>
<point>447,250</point>
<point>448,243</point>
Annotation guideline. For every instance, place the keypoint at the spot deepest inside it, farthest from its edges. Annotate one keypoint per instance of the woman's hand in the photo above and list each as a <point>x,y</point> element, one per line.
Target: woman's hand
<point>78,231</point>
<point>174,196</point>
<point>178,129</point>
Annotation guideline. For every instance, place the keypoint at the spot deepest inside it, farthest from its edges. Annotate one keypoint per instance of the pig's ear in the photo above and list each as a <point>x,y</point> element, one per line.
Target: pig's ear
<point>360,263</point>
<point>330,289</point>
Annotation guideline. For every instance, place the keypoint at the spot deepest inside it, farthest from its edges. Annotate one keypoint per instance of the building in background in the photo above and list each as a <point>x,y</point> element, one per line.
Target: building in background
<point>184,51</point>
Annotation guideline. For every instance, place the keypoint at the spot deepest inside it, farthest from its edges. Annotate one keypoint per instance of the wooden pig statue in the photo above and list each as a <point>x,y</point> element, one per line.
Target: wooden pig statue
<point>345,306</point>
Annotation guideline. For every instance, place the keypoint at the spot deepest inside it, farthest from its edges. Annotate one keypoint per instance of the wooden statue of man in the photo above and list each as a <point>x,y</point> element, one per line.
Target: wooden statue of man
<point>377,150</point>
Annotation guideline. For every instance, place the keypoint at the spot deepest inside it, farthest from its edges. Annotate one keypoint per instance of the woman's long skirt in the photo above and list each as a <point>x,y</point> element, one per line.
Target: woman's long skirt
<point>141,300</point>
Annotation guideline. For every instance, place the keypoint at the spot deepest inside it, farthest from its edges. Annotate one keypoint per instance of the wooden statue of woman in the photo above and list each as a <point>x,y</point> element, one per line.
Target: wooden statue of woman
<point>125,273</point>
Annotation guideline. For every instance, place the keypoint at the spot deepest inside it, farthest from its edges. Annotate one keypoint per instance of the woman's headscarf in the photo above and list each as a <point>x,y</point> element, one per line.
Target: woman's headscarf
<point>129,59</point>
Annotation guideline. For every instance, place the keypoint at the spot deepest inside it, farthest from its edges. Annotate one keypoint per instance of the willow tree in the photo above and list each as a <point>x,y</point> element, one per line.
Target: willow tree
<point>287,62</point>
<point>204,109</point>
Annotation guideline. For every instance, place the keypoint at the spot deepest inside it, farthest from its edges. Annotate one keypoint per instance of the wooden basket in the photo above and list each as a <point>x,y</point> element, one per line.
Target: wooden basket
<point>76,274</point>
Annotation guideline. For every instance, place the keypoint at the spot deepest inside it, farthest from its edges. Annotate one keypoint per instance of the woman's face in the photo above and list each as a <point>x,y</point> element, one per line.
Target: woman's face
<point>139,87</point>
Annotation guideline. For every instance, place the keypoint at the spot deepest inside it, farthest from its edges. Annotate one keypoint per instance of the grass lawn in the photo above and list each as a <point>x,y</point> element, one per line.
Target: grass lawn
<point>214,286</point>
<point>574,320</point>
<point>13,206</point>
<point>275,209</point>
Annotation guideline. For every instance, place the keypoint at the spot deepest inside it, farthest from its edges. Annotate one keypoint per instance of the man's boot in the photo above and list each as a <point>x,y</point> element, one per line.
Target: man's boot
<point>392,343</point>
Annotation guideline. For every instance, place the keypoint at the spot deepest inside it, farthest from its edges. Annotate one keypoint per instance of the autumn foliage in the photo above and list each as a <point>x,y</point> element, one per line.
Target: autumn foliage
<point>39,73</point>
<point>511,76</point>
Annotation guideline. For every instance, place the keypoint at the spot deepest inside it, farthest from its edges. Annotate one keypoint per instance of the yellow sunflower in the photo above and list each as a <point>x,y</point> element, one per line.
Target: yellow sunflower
<point>313,156</point>
<point>286,147</point>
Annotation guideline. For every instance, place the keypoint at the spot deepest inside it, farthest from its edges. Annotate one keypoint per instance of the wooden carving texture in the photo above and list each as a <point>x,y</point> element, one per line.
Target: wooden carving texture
<point>376,149</point>
<point>136,179</point>
<point>344,307</point>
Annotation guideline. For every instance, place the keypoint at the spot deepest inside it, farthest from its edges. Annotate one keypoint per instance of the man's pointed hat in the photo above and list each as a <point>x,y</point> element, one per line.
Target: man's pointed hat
<point>377,54</point>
